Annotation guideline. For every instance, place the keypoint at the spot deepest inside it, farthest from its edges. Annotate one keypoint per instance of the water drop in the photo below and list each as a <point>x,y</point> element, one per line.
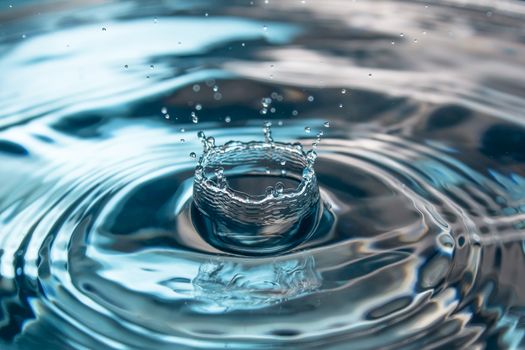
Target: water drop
<point>196,87</point>
<point>326,124</point>
<point>103,29</point>
<point>164,110</point>
<point>193,155</point>
<point>310,98</point>
<point>343,91</point>
<point>182,130</point>
<point>126,66</point>
<point>307,129</point>
<point>194,118</point>
<point>198,107</point>
<point>228,119</point>
<point>268,132</point>
<point>279,189</point>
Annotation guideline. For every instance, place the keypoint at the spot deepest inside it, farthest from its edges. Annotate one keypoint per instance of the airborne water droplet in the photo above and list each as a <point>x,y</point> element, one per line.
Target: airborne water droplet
<point>194,118</point>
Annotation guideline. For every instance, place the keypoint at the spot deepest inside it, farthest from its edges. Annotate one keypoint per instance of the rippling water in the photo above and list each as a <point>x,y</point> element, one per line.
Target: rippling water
<point>421,173</point>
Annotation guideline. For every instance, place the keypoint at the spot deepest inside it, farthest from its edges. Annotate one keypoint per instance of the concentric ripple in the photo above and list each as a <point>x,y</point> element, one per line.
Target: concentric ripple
<point>419,243</point>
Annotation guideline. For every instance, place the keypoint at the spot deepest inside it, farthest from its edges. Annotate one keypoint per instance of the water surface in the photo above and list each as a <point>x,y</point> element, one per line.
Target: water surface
<point>421,173</point>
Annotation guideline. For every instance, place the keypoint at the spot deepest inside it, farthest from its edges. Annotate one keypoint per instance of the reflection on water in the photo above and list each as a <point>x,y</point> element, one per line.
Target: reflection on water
<point>421,173</point>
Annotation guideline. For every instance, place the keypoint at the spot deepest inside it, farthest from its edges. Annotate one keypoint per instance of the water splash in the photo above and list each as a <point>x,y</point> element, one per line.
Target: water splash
<point>258,197</point>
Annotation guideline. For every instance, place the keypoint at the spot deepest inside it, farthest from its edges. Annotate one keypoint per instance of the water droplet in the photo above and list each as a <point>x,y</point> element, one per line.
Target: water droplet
<point>310,98</point>
<point>193,155</point>
<point>155,20</point>
<point>307,129</point>
<point>182,140</point>
<point>164,110</point>
<point>283,162</point>
<point>268,132</point>
<point>196,87</point>
<point>269,191</point>
<point>341,105</point>
<point>198,107</point>
<point>167,116</point>
<point>265,28</point>
<point>295,113</point>
<point>194,118</point>
<point>326,124</point>
<point>182,130</point>
<point>126,66</point>
<point>228,119</point>
<point>279,189</point>
<point>215,88</point>
<point>343,91</point>
<point>266,101</point>
<point>104,29</point>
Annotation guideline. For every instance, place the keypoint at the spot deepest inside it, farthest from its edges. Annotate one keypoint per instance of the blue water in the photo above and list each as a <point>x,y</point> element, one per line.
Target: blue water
<point>420,239</point>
